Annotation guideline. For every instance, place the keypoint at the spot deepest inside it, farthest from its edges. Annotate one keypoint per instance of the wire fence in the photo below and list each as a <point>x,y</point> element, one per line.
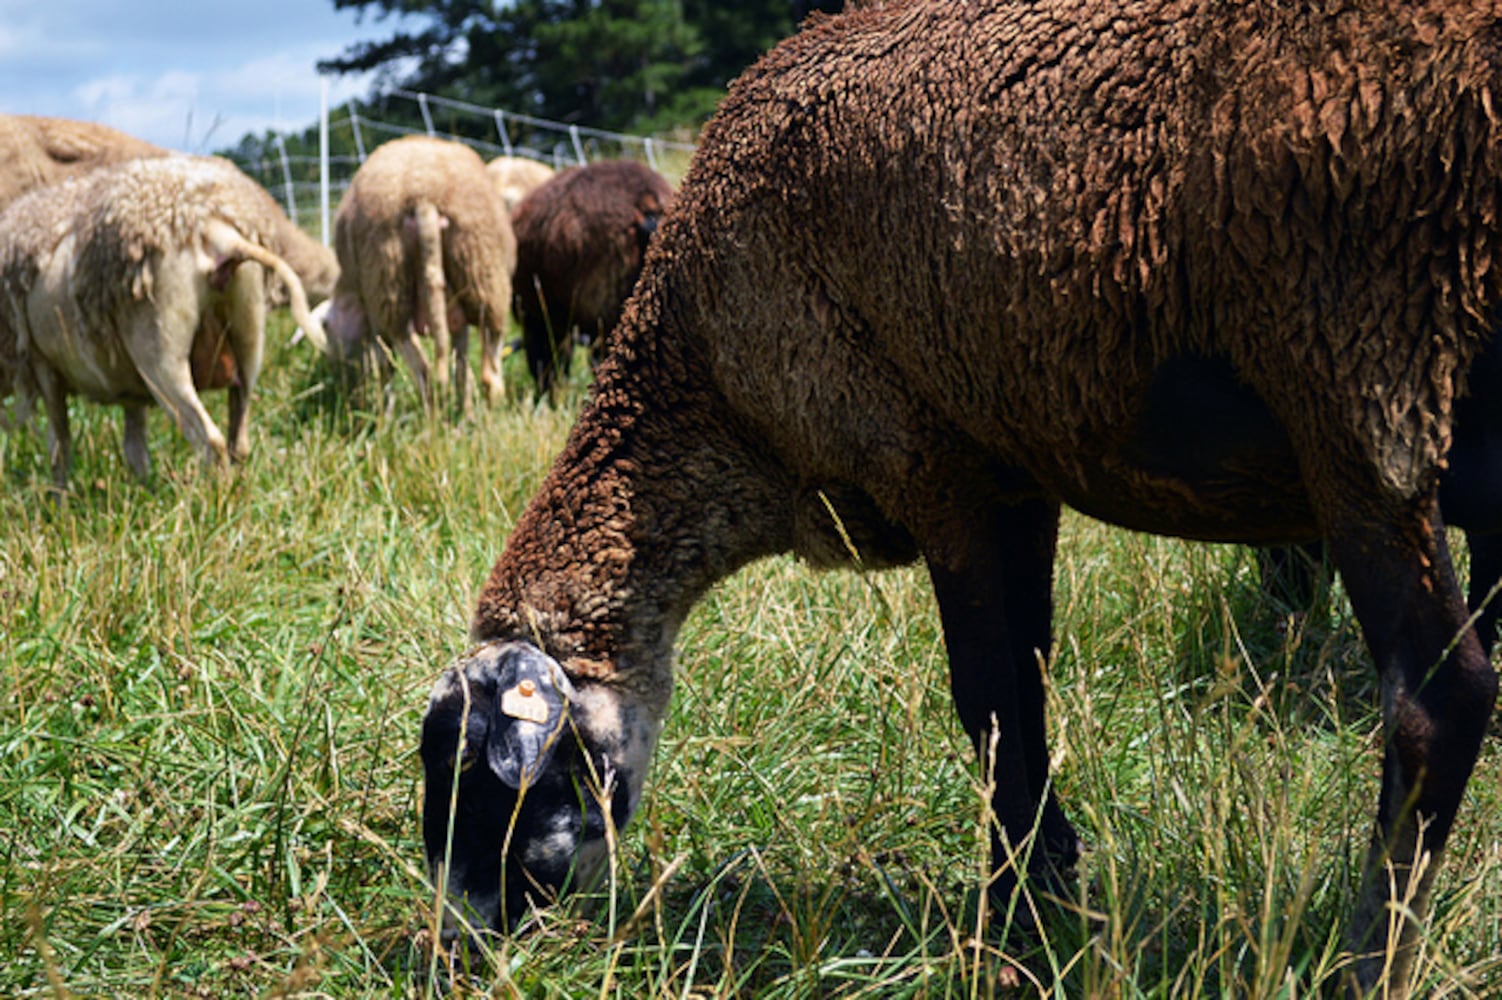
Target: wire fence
<point>307,185</point>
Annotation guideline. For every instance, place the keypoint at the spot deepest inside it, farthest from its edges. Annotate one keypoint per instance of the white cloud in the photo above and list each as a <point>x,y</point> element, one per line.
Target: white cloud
<point>162,109</point>
<point>179,73</point>
<point>200,112</point>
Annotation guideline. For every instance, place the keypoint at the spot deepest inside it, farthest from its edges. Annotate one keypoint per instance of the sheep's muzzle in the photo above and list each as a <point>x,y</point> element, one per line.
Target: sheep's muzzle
<point>513,814</point>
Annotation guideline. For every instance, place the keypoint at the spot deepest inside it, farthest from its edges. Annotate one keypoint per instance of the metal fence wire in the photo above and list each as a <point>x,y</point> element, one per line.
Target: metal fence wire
<point>306,184</point>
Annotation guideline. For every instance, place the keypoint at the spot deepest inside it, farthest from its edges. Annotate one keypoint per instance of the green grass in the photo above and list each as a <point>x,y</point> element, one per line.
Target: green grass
<point>210,693</point>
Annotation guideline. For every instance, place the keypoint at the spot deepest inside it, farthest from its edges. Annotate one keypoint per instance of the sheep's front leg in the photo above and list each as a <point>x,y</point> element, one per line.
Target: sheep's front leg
<point>1438,692</point>
<point>996,604</point>
<point>411,352</point>
<point>460,336</point>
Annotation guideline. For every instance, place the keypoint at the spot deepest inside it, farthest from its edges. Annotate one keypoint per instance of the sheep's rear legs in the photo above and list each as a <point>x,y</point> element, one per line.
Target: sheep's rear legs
<point>1438,692</point>
<point>996,605</point>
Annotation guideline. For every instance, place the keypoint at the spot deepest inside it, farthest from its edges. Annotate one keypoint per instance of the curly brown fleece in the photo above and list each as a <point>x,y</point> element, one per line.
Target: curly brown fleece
<point>909,239</point>
<point>938,268</point>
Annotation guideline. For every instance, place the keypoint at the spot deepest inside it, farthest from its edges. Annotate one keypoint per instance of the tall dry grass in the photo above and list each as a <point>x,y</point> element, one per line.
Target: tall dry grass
<point>210,692</point>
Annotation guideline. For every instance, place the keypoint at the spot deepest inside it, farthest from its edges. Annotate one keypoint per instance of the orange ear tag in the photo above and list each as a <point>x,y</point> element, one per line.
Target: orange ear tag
<point>525,702</point>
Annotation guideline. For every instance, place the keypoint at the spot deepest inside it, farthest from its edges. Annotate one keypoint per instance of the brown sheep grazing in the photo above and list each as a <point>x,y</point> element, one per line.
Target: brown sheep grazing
<point>36,151</point>
<point>938,269</point>
<point>515,177</point>
<point>136,282</point>
<point>580,241</point>
<point>425,249</point>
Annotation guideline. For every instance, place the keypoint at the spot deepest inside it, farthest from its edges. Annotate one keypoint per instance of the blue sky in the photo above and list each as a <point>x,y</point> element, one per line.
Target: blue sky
<point>192,75</point>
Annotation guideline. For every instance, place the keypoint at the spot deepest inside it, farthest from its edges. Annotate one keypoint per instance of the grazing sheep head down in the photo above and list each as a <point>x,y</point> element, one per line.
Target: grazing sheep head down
<point>544,769</point>
<point>141,282</point>
<point>1217,271</point>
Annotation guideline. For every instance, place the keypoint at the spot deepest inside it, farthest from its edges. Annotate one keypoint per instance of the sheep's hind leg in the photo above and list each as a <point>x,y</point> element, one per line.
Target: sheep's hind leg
<point>996,604</point>
<point>59,434</point>
<point>492,350</point>
<point>247,327</point>
<point>1486,584</point>
<point>137,455</point>
<point>159,345</point>
<point>1438,692</point>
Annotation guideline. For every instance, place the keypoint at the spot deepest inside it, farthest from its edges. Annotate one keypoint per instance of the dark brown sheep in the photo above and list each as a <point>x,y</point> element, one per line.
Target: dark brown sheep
<point>942,268</point>
<point>580,240</point>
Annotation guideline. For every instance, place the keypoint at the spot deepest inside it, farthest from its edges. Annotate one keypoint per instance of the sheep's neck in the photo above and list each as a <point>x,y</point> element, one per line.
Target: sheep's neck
<point>654,498</point>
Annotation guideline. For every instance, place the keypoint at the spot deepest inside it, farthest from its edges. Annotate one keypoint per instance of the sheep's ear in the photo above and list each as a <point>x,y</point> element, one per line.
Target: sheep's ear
<point>528,696</point>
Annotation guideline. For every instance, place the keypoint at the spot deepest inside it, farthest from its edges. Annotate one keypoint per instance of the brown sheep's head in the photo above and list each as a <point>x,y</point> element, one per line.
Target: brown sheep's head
<point>647,210</point>
<point>525,772</point>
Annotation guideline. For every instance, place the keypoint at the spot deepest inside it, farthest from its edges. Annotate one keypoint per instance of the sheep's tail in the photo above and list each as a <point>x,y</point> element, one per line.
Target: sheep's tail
<point>228,246</point>
<point>432,302</point>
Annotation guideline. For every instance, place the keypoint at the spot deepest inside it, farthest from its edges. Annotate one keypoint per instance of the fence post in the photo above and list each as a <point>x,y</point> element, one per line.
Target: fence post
<point>354,126</point>
<point>651,154</point>
<point>287,178</point>
<point>573,134</point>
<point>323,159</point>
<point>500,126</point>
<point>427,116</point>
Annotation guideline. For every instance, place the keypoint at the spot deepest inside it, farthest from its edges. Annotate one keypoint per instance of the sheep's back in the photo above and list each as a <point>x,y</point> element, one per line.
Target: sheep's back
<point>376,255</point>
<point>36,151</point>
<point>130,215</point>
<point>577,236</point>
<point>1011,214</point>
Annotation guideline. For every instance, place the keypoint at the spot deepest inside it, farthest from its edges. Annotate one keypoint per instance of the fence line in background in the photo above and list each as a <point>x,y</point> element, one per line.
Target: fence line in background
<point>570,144</point>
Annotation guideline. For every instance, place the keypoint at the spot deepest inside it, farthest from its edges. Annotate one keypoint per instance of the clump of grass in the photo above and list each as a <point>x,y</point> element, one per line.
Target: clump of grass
<point>211,687</point>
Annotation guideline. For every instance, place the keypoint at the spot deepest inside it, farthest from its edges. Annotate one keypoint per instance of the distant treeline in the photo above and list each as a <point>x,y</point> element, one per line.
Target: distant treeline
<point>639,66</point>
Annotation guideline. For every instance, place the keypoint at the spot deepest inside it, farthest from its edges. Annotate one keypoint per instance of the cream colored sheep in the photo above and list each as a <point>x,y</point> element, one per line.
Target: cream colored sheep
<point>36,151</point>
<point>516,177</point>
<point>137,282</point>
<point>425,248</point>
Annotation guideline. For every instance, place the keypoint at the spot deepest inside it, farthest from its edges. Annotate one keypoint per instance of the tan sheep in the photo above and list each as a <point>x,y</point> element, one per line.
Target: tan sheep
<point>35,151</point>
<point>137,282</point>
<point>515,177</point>
<point>425,248</point>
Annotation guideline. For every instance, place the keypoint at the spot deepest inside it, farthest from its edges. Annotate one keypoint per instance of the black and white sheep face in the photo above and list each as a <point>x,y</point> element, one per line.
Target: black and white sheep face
<point>540,763</point>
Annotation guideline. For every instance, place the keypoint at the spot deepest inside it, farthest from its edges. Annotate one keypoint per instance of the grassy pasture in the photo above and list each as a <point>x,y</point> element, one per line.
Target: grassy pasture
<point>210,692</point>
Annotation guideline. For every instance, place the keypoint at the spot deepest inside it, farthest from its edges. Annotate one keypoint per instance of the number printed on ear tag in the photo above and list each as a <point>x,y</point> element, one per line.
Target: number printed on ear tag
<point>525,702</point>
